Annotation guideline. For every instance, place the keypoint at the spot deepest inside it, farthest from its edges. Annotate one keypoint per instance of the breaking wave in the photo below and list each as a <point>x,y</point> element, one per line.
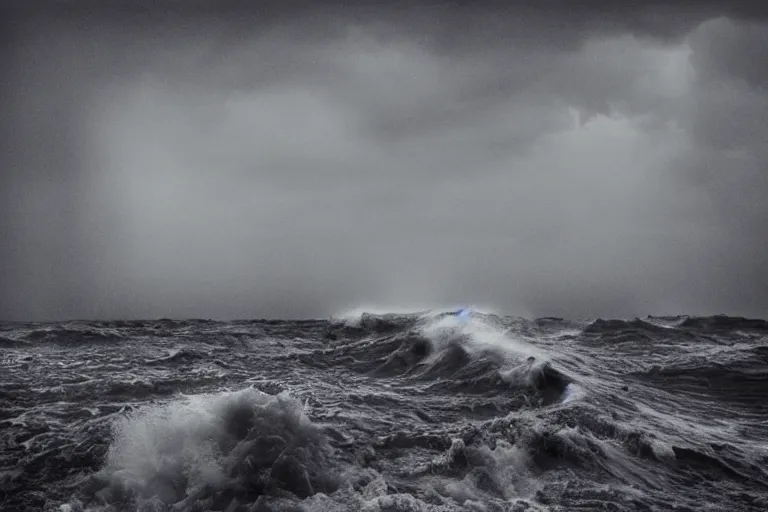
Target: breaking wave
<point>214,452</point>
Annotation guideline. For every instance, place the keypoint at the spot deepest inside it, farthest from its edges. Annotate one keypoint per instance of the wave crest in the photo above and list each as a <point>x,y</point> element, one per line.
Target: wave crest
<point>215,450</point>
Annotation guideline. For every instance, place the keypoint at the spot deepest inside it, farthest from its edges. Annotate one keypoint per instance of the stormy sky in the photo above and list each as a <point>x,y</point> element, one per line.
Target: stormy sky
<point>236,162</point>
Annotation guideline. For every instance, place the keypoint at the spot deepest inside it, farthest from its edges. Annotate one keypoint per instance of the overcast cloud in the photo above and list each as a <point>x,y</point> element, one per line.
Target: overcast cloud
<point>605,161</point>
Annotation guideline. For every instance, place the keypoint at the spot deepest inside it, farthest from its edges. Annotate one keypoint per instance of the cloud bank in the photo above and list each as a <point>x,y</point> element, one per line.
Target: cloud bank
<point>606,161</point>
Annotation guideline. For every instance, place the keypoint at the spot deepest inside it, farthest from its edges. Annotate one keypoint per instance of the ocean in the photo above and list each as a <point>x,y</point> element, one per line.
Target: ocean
<point>422,411</point>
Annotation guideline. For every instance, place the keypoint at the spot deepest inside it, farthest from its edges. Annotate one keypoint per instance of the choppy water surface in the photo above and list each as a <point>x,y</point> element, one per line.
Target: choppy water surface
<point>426,411</point>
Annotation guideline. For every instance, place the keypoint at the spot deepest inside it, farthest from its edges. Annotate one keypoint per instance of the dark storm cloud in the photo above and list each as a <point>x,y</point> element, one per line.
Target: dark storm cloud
<point>295,159</point>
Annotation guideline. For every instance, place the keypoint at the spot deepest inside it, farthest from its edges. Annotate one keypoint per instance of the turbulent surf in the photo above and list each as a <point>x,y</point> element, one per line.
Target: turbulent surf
<point>428,411</point>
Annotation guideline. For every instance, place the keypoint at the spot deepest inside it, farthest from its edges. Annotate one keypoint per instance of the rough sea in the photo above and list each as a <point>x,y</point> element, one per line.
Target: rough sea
<point>428,411</point>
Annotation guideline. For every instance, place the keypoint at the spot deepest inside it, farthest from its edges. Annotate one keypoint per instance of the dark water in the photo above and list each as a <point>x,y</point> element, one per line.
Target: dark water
<point>385,413</point>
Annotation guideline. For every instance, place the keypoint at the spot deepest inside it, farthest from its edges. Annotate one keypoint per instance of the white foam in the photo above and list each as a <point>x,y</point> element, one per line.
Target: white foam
<point>573,393</point>
<point>353,317</point>
<point>477,335</point>
<point>182,437</point>
<point>662,450</point>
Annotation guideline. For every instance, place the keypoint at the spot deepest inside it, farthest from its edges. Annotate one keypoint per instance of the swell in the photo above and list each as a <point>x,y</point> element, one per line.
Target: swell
<point>739,383</point>
<point>71,336</point>
<point>453,364</point>
<point>601,326</point>
<point>725,322</point>
<point>75,333</point>
<point>661,325</point>
<point>13,343</point>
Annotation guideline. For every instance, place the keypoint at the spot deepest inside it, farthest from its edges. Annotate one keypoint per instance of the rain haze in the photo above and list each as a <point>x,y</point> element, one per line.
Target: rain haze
<point>234,162</point>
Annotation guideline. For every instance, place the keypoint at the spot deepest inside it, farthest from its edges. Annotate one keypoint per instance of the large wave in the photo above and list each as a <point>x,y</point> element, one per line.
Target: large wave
<point>474,353</point>
<point>214,452</point>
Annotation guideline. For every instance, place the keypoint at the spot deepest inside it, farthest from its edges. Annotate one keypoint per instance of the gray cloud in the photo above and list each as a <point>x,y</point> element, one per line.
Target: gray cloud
<point>604,161</point>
